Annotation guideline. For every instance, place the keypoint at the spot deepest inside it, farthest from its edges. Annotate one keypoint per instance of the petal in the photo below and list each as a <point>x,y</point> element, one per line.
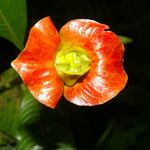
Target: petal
<point>43,41</point>
<point>106,77</point>
<point>80,31</point>
<point>35,63</point>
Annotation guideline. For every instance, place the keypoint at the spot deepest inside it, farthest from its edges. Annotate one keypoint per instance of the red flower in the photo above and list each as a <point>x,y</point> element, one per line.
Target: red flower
<point>83,62</point>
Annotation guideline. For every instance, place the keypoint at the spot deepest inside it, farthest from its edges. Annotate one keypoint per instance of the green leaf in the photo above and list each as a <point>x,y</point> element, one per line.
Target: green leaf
<point>16,112</point>
<point>13,21</point>
<point>9,101</point>
<point>125,39</point>
<point>29,123</point>
<point>40,127</point>
<point>6,142</point>
<point>65,146</point>
<point>26,141</point>
<point>28,114</point>
<point>123,139</point>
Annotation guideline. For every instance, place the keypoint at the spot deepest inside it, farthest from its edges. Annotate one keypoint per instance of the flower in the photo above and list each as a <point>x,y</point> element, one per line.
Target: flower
<point>83,62</point>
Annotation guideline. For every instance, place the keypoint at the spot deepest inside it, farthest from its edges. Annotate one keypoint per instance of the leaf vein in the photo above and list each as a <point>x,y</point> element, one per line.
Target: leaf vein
<point>18,43</point>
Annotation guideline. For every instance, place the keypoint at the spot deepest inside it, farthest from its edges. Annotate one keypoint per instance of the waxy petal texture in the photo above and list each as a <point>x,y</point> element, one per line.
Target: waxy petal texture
<point>35,63</point>
<point>106,77</point>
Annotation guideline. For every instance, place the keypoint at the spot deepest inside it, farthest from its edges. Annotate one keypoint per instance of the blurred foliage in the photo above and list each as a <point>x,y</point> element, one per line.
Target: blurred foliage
<point>27,122</point>
<point>121,124</point>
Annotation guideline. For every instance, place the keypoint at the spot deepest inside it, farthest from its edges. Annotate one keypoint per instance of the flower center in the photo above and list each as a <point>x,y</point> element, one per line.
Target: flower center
<point>71,63</point>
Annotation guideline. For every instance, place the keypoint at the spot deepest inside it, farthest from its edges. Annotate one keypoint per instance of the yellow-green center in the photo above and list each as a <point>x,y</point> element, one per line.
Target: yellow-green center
<point>71,63</point>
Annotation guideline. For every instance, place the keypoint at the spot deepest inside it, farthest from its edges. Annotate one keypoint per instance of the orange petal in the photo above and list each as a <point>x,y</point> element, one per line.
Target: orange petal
<point>107,76</point>
<point>80,30</point>
<point>35,63</point>
<point>43,41</point>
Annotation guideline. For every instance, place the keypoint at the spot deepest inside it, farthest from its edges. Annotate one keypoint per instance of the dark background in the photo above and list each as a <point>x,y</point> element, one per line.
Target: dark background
<point>124,122</point>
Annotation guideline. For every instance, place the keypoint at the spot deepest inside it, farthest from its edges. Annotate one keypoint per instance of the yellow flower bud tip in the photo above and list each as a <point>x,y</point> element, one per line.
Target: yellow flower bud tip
<point>71,63</point>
